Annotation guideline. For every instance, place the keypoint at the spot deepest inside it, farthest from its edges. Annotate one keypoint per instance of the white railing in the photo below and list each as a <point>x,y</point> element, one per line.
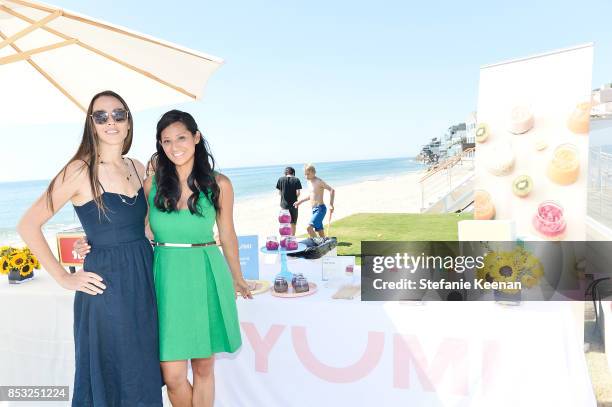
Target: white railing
<point>600,186</point>
<point>440,182</point>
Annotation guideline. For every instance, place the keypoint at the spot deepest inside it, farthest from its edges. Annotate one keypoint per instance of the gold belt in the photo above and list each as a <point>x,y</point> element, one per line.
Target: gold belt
<point>184,244</point>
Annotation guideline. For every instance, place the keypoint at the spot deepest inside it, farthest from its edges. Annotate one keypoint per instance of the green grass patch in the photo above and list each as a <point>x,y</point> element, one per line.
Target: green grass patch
<point>354,229</point>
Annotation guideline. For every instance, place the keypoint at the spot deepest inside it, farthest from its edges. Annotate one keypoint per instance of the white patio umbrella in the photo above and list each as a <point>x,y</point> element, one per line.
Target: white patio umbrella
<point>52,61</point>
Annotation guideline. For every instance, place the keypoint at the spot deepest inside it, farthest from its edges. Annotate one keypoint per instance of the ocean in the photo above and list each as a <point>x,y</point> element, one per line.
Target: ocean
<point>248,182</point>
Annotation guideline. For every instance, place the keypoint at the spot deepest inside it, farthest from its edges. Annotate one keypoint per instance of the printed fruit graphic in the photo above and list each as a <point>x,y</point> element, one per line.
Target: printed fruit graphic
<point>483,207</point>
<point>522,185</point>
<point>521,120</point>
<point>482,133</point>
<point>580,118</point>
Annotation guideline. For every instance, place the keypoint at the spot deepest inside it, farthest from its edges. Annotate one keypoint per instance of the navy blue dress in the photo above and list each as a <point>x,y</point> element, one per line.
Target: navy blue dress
<point>116,333</point>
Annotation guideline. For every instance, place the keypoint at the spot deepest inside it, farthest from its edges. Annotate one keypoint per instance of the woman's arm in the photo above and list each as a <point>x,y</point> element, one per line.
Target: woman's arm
<point>227,234</point>
<point>30,228</point>
<point>146,185</point>
<point>147,189</point>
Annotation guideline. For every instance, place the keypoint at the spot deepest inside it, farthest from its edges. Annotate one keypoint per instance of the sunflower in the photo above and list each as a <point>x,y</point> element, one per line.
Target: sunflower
<point>501,267</point>
<point>529,268</point>
<point>481,273</point>
<point>519,256</point>
<point>534,267</point>
<point>26,270</point>
<point>18,260</point>
<point>5,266</point>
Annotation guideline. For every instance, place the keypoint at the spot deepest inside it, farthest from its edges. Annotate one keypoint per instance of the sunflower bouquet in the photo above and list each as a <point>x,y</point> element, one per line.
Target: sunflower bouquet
<point>19,264</point>
<point>516,266</point>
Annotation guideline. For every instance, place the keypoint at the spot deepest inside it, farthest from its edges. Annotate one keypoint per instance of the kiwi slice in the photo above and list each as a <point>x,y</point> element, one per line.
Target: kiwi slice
<point>482,133</point>
<point>522,185</point>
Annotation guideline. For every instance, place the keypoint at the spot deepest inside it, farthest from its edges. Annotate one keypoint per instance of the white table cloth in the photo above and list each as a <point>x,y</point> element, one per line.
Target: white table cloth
<point>318,351</point>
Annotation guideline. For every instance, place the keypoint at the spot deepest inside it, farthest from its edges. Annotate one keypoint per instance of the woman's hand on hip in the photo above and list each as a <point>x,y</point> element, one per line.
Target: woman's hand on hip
<point>89,283</point>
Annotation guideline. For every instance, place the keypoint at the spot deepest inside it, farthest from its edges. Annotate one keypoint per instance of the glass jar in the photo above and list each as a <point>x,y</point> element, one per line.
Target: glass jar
<point>301,285</point>
<point>483,205</point>
<point>549,221</point>
<point>271,243</point>
<point>499,158</point>
<point>295,277</point>
<point>284,229</point>
<point>564,167</point>
<point>580,118</point>
<point>280,285</point>
<point>284,216</point>
<point>291,243</point>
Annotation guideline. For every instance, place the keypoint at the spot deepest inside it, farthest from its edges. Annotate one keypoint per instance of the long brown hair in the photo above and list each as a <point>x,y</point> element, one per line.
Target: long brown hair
<point>202,177</point>
<point>88,151</point>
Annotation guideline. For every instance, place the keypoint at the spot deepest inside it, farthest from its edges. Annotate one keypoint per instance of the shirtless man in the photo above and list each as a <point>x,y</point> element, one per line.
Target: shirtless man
<point>317,188</point>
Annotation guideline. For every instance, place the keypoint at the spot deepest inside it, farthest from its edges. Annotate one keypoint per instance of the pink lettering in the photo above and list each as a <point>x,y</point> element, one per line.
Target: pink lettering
<point>262,346</point>
<point>407,351</point>
<point>358,370</point>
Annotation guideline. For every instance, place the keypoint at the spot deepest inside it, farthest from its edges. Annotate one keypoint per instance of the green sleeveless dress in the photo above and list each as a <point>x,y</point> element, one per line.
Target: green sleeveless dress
<point>195,292</point>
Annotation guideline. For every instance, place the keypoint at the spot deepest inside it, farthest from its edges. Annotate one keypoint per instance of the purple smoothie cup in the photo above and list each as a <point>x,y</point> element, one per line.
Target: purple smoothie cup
<point>284,216</point>
<point>284,229</point>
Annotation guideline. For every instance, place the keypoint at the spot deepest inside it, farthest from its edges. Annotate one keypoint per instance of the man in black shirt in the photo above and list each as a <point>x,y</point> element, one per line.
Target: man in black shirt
<point>289,188</point>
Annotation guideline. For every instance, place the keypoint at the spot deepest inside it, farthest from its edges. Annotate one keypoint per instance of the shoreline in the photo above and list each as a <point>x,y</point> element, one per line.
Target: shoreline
<point>257,215</point>
<point>388,194</point>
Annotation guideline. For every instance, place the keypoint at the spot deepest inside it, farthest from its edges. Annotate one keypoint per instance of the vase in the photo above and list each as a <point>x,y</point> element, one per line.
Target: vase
<point>505,298</point>
<point>15,277</point>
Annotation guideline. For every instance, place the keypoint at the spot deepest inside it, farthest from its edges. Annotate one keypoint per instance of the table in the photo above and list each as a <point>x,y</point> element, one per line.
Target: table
<point>317,351</point>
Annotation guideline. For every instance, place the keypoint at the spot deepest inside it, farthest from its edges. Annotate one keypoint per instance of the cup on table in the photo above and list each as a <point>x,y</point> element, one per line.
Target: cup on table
<point>284,229</point>
<point>271,243</point>
<point>284,216</point>
<point>291,243</point>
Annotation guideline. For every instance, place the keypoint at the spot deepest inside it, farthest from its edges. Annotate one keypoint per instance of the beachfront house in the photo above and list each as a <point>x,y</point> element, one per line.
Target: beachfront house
<point>470,132</point>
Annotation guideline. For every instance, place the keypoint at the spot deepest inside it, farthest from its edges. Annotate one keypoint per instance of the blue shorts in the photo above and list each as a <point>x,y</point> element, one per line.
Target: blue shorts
<point>318,214</point>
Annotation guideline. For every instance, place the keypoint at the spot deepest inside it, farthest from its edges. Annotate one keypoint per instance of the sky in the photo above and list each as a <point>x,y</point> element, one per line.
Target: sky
<point>313,81</point>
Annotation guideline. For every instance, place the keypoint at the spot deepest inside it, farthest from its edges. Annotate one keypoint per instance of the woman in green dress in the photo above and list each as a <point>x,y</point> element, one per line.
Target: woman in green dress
<point>195,290</point>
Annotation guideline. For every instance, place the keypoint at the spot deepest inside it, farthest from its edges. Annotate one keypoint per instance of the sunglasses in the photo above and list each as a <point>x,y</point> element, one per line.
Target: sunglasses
<point>101,116</point>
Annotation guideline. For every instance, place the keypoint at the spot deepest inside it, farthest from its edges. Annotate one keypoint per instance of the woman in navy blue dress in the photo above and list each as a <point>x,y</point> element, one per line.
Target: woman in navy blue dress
<point>115,312</point>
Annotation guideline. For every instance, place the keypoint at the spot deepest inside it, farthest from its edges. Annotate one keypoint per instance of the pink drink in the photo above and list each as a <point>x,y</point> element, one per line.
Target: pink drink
<point>284,229</point>
<point>271,243</point>
<point>284,216</point>
<point>291,243</point>
<point>549,221</point>
<point>283,242</point>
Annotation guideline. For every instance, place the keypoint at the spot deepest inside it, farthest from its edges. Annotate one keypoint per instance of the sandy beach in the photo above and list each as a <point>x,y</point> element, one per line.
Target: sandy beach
<point>396,194</point>
<point>258,216</point>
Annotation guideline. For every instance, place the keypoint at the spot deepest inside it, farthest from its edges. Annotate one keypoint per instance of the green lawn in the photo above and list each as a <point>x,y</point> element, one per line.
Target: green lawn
<point>354,229</point>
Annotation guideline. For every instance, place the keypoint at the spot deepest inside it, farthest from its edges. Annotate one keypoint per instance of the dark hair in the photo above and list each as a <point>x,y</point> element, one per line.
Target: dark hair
<point>201,179</point>
<point>88,151</point>
<point>289,171</point>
